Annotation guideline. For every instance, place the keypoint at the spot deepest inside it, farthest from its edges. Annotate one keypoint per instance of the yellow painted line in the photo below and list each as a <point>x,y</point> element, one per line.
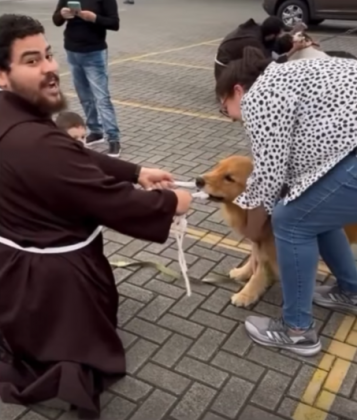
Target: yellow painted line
<point>345,328</point>
<point>337,375</point>
<point>328,378</point>
<point>352,338</point>
<point>342,350</point>
<point>167,110</point>
<point>152,54</point>
<point>305,412</point>
<point>325,402</point>
<point>314,387</point>
<point>169,63</point>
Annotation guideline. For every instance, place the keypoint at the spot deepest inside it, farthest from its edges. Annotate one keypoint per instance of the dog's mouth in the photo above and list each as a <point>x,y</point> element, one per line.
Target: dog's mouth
<point>215,198</point>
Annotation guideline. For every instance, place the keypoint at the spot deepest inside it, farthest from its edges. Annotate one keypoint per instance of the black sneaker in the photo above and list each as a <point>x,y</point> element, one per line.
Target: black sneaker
<point>94,138</point>
<point>274,333</point>
<point>114,149</point>
<point>332,297</point>
<point>129,2</point>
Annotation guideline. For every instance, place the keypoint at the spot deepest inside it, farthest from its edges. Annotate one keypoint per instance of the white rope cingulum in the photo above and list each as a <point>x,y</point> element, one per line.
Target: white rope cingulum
<point>179,228</point>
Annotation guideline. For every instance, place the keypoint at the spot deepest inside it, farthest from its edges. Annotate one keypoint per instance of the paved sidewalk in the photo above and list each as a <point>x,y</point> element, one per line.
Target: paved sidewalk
<point>189,358</point>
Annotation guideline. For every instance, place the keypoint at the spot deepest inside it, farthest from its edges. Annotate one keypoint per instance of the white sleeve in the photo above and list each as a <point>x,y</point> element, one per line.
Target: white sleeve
<point>269,119</point>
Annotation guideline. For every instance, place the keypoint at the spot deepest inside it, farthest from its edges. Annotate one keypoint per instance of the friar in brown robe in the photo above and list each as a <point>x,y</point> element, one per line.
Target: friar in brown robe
<point>58,307</point>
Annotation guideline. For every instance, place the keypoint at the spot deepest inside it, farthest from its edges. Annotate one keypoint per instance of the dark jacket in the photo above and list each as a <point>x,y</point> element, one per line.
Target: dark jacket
<point>83,36</point>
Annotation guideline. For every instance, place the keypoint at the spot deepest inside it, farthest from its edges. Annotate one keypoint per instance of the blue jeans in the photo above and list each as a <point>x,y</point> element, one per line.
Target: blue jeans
<point>90,79</point>
<point>312,225</point>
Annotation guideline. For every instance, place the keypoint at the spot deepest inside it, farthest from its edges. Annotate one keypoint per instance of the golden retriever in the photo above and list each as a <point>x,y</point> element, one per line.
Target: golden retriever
<point>223,184</point>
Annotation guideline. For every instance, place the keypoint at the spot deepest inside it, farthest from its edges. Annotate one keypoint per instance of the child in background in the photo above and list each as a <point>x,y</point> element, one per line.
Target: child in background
<point>73,124</point>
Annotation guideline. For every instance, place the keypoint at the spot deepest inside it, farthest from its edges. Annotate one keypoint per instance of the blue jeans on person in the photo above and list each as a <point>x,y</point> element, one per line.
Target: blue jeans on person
<point>312,225</point>
<point>90,79</point>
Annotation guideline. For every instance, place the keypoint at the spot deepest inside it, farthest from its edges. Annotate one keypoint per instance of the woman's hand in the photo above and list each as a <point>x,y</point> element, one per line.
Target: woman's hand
<point>257,228</point>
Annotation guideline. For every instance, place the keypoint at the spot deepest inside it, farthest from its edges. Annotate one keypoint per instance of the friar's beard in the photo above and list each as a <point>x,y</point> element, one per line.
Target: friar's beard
<point>38,99</point>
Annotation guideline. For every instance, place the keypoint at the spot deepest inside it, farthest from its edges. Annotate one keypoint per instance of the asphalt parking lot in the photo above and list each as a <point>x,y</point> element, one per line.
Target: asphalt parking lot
<point>189,358</point>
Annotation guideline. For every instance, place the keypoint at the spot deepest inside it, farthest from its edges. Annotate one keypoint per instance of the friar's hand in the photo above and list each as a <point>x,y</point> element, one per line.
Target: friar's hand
<point>155,178</point>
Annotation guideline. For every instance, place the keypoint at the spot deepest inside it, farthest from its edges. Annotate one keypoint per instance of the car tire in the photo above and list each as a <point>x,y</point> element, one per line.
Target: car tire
<point>294,7</point>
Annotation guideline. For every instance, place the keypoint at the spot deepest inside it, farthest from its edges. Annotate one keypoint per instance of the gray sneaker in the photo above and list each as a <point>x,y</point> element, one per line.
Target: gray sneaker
<point>274,333</point>
<point>332,297</point>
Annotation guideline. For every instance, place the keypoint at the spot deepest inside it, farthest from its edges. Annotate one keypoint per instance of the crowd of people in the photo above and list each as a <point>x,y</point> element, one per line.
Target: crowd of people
<point>58,300</point>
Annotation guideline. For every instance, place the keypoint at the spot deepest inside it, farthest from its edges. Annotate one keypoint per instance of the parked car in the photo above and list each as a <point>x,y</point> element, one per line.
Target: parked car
<point>311,12</point>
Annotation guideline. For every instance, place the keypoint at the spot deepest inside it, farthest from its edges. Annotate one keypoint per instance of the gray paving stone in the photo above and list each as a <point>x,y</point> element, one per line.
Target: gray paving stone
<point>201,268</point>
<point>32,416</point>
<point>201,372</point>
<point>142,276</point>
<point>186,305</point>
<point>147,256</point>
<point>155,407</point>
<point>301,381</point>
<point>163,378</point>
<point>131,388</point>
<point>277,384</point>
<point>172,350</point>
<point>126,338</point>
<point>344,408</point>
<point>135,292</point>
<point>194,403</point>
<point>206,253</point>
<point>11,412</point>
<point>238,342</point>
<point>208,344</point>
<point>273,360</point>
<point>127,310</point>
<point>133,247</point>
<point>238,366</point>
<point>156,308</point>
<point>253,413</point>
<point>211,416</point>
<point>164,289</point>
<point>214,321</point>
<point>138,354</point>
<point>118,408</point>
<point>147,330</point>
<point>233,397</point>
<point>181,326</point>
<point>333,324</point>
<point>217,301</point>
<point>288,407</point>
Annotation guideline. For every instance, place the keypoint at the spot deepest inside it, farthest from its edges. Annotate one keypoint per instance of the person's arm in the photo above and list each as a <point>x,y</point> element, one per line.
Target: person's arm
<point>271,141</point>
<point>110,18</point>
<point>57,18</point>
<point>71,185</point>
<point>117,168</point>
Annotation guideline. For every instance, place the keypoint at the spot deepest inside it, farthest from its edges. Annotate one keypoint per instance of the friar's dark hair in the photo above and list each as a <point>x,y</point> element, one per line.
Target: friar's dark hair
<point>13,27</point>
<point>243,72</point>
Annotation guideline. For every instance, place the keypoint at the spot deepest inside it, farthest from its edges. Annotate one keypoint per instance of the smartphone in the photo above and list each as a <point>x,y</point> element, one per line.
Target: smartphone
<point>74,5</point>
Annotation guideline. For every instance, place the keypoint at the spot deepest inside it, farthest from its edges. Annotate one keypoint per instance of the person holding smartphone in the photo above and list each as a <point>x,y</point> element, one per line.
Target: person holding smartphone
<point>87,22</point>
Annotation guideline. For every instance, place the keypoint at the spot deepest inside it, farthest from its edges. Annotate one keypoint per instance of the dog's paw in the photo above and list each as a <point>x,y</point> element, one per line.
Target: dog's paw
<point>243,300</point>
<point>239,274</point>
